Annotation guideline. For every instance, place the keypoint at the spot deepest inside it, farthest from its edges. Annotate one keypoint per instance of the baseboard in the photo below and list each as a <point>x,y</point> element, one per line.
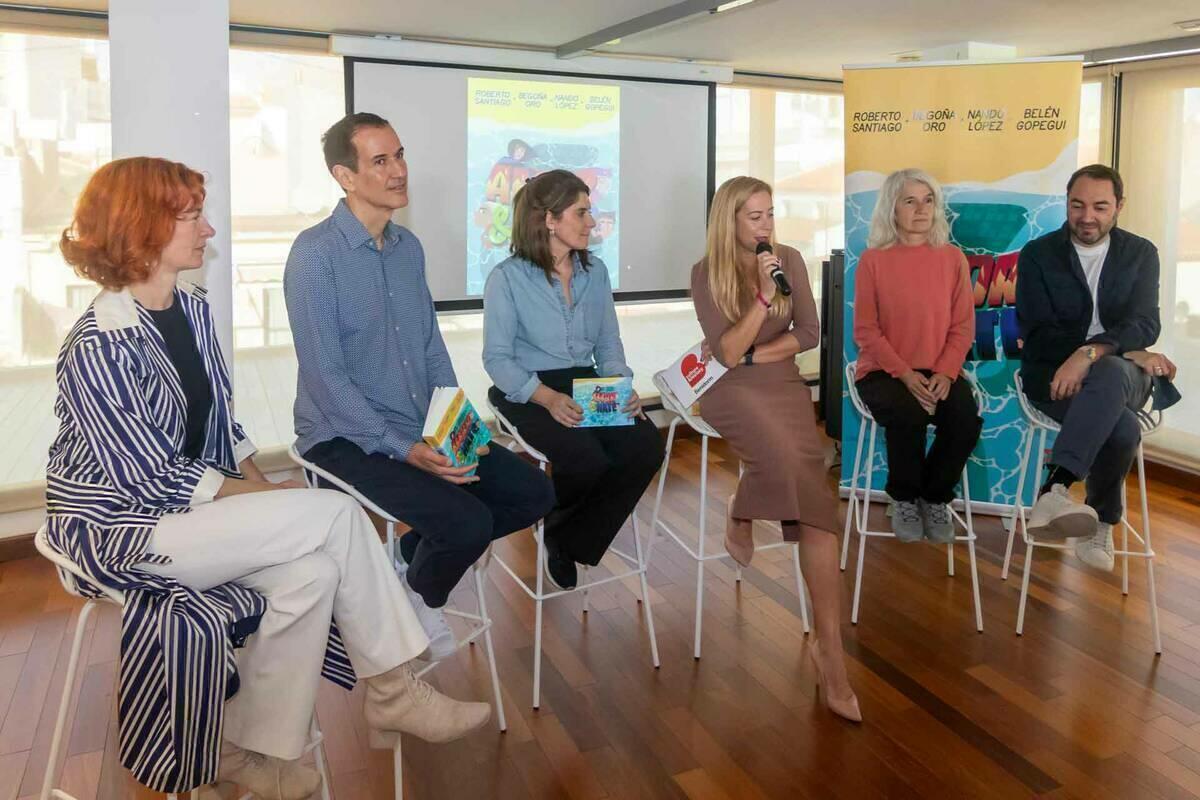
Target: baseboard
<point>17,547</point>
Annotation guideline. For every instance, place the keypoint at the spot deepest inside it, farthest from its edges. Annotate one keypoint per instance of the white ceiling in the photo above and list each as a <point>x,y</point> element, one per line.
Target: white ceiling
<point>801,37</point>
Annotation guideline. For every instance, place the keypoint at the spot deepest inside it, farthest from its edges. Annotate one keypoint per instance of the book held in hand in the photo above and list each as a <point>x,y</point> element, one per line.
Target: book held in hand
<point>602,401</point>
<point>453,427</point>
<point>689,377</point>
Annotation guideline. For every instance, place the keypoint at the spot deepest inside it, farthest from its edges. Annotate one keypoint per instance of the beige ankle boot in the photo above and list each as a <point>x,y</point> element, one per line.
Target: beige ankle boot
<point>266,777</point>
<point>400,702</point>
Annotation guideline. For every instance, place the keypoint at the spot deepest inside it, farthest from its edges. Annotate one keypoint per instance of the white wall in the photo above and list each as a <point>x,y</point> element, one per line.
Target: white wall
<point>170,98</point>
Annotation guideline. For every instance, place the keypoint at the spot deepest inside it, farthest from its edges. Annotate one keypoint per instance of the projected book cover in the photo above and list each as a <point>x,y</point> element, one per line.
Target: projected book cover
<point>518,129</point>
<point>602,400</point>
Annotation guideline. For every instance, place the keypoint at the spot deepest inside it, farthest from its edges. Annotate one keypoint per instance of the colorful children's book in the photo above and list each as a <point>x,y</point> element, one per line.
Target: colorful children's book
<point>689,377</point>
<point>602,400</point>
<point>453,427</point>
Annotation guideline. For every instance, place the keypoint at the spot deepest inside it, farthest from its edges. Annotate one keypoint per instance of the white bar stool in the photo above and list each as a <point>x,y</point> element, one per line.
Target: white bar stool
<point>1039,426</point>
<point>480,623</point>
<point>680,413</point>
<point>538,592</point>
<point>859,510</point>
<point>69,575</point>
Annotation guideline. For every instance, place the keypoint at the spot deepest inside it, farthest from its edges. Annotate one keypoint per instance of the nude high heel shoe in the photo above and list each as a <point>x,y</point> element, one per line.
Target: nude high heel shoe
<point>846,708</point>
<point>741,552</point>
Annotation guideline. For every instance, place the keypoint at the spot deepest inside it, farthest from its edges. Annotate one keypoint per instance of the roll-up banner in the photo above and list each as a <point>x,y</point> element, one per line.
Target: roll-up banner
<point>1002,138</point>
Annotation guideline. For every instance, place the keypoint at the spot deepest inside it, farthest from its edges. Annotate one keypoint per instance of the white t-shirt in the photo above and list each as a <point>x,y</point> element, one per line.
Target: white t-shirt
<point>1092,260</point>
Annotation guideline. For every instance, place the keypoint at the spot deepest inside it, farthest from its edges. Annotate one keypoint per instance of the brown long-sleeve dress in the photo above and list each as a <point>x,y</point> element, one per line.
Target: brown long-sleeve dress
<point>765,411</point>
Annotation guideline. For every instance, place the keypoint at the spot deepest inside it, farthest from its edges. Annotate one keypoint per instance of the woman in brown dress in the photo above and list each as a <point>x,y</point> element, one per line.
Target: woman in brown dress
<point>764,410</point>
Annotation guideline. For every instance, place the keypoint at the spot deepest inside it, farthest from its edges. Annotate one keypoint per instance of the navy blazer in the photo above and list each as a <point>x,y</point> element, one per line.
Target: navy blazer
<point>1054,304</point>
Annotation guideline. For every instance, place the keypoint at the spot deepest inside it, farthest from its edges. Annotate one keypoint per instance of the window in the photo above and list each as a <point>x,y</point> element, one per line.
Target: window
<point>795,141</point>
<point>1091,124</point>
<point>733,133</point>
<point>809,176</point>
<point>55,130</point>
<point>1159,161</point>
<point>280,104</point>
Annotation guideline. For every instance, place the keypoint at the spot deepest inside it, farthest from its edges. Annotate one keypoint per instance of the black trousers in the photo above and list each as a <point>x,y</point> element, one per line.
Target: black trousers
<point>1100,431</point>
<point>913,473</point>
<point>452,524</point>
<point>599,473</point>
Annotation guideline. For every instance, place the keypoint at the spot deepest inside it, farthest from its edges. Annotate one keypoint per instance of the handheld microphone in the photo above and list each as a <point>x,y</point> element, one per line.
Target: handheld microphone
<point>781,281</point>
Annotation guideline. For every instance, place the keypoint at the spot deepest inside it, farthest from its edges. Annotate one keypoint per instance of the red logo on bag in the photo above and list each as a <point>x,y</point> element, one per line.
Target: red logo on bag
<point>693,369</point>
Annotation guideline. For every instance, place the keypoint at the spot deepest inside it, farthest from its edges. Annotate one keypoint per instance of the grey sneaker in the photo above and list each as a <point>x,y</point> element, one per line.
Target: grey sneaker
<point>1097,551</point>
<point>939,523</point>
<point>1055,516</point>
<point>906,521</point>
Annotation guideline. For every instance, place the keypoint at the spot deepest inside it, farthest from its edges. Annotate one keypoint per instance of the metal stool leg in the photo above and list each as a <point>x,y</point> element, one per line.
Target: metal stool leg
<point>68,695</point>
<point>398,769</point>
<point>700,560</point>
<point>1123,524</point>
<point>318,748</point>
<point>1025,535</point>
<point>642,567</point>
<point>1150,587</point>
<point>537,625</point>
<point>487,643</point>
<point>864,521</point>
<point>658,495</point>
<point>852,507</point>
<point>800,588</point>
<point>586,578</point>
<point>1019,501</point>
<point>970,522</point>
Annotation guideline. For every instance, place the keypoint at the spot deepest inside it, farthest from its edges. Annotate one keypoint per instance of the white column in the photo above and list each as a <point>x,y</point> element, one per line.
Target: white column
<point>170,98</point>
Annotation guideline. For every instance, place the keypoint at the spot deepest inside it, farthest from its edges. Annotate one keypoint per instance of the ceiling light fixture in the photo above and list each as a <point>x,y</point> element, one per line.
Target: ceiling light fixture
<point>732,4</point>
<point>1189,25</point>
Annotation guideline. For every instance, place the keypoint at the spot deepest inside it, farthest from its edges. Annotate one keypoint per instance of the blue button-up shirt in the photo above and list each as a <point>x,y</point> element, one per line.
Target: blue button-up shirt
<point>528,325</point>
<point>367,341</point>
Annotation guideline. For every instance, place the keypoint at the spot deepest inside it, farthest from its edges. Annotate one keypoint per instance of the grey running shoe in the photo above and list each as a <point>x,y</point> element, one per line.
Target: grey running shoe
<point>907,523</point>
<point>1097,551</point>
<point>1056,516</point>
<point>939,523</point>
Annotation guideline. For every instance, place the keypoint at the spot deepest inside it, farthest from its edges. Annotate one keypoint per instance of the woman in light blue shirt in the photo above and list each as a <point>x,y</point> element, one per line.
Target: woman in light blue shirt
<point>548,318</point>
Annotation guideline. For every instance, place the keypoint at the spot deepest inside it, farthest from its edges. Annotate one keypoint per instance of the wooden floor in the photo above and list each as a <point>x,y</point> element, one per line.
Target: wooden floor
<point>1079,707</point>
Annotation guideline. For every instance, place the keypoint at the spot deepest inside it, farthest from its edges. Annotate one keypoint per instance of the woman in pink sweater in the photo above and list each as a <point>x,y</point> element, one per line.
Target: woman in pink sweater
<point>914,322</point>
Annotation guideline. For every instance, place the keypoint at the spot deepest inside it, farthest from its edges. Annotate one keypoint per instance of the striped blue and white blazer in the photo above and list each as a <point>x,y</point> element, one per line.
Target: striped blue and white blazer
<point>115,468</point>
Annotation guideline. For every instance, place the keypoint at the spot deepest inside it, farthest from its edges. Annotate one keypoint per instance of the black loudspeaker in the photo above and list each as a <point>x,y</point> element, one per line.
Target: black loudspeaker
<point>833,296</point>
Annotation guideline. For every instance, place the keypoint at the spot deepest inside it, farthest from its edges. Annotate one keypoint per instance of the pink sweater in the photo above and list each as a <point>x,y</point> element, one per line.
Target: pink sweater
<point>913,309</point>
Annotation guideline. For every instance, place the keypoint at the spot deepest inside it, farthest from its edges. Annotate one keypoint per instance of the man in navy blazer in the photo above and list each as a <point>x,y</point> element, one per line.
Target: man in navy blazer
<point>1087,305</point>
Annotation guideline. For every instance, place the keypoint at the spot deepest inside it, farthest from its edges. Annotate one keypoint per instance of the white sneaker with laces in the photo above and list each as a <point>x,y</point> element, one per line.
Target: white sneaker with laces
<point>1098,550</point>
<point>1056,516</point>
<point>442,643</point>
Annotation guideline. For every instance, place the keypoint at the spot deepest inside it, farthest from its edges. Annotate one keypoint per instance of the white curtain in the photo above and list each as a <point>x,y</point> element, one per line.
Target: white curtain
<point>1160,163</point>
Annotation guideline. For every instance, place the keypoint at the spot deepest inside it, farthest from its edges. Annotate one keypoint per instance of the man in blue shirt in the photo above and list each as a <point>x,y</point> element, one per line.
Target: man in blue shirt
<point>370,354</point>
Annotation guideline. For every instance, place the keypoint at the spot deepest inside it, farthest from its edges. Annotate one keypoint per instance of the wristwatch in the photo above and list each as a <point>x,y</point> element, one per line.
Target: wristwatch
<point>748,359</point>
<point>1089,351</point>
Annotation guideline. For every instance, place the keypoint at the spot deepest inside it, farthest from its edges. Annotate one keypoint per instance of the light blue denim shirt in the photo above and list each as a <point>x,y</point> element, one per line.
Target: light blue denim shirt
<point>528,326</point>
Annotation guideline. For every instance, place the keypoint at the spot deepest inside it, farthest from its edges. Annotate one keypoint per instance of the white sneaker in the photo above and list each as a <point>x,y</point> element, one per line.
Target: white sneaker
<point>1097,551</point>
<point>1055,516</point>
<point>442,643</point>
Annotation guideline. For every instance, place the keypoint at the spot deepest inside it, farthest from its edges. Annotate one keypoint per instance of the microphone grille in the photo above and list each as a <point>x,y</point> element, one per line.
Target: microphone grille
<point>763,247</point>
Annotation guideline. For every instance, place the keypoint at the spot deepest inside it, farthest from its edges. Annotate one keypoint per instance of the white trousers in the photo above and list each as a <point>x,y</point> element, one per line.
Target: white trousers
<point>314,555</point>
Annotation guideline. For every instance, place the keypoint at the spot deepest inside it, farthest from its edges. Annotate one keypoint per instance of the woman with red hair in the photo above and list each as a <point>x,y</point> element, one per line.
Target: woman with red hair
<point>151,489</point>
